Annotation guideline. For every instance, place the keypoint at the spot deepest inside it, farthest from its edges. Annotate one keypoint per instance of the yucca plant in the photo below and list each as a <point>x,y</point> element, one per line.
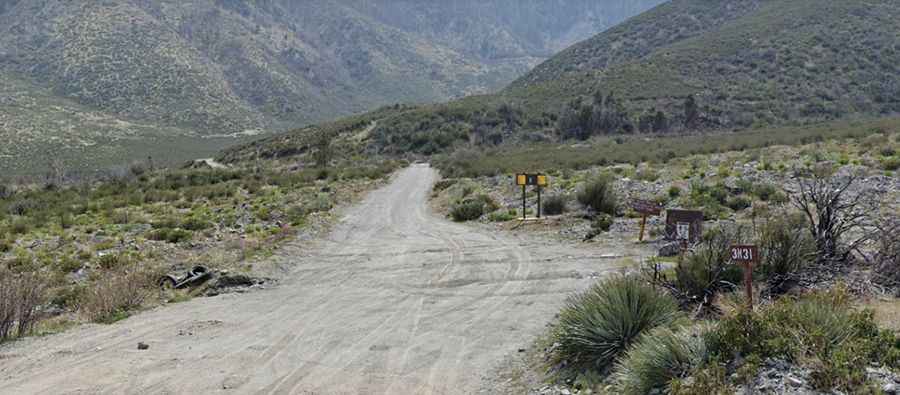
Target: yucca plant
<point>598,325</point>
<point>659,357</point>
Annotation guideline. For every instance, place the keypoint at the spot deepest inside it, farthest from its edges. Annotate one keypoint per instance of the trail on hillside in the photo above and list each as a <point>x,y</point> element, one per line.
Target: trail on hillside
<point>394,301</point>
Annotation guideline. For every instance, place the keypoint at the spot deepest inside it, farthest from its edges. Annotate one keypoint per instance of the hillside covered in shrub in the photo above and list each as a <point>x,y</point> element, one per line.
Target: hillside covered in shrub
<point>682,67</point>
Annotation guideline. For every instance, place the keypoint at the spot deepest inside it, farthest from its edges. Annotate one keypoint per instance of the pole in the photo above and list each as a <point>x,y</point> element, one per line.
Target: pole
<point>748,283</point>
<point>539,202</point>
<point>643,223</point>
<point>524,213</point>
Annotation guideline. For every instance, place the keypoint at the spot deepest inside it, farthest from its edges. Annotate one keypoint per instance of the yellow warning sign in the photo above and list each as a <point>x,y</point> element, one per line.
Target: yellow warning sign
<point>521,179</point>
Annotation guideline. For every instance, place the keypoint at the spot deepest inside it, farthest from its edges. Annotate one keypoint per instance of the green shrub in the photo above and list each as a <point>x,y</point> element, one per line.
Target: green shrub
<point>821,331</point>
<point>707,268</point>
<point>674,192</point>
<point>891,164</point>
<point>647,174</point>
<point>602,222</point>
<point>195,223</point>
<point>20,226</point>
<point>469,210</point>
<point>765,192</point>
<point>170,235</point>
<point>488,203</point>
<point>598,325</point>
<point>738,203</point>
<point>108,261</point>
<point>555,204</point>
<point>598,195</point>
<point>784,248</point>
<point>659,357</point>
<point>444,184</point>
<point>500,216</point>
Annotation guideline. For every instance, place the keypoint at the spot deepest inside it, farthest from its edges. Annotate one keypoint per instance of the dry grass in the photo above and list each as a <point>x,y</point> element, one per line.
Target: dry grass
<point>887,312</point>
<point>114,296</point>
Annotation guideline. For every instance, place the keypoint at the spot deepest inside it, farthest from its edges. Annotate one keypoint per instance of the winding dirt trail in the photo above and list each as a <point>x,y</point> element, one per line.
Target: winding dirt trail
<point>395,301</point>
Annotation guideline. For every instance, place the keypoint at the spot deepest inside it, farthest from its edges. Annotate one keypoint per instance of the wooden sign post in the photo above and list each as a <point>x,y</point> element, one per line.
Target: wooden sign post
<point>748,255</point>
<point>645,208</point>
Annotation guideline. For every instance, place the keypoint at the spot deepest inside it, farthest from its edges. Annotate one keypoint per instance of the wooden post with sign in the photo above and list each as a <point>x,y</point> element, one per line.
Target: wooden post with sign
<point>645,208</point>
<point>748,255</point>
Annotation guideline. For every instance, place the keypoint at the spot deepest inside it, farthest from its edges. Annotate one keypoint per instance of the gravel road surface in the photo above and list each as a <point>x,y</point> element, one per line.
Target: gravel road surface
<point>396,300</point>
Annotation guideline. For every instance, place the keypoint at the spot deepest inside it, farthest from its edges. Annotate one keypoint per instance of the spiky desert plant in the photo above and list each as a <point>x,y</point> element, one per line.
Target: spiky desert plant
<point>598,325</point>
<point>659,357</point>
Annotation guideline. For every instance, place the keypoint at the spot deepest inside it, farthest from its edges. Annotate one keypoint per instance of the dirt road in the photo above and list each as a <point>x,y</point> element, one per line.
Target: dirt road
<point>395,301</point>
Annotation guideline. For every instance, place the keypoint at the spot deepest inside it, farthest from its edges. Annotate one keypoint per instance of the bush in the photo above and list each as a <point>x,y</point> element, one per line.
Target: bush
<point>886,259</point>
<point>707,269</point>
<point>109,261</point>
<point>444,184</point>
<point>738,203</point>
<point>674,191</point>
<point>598,195</point>
<point>195,223</point>
<point>598,325</point>
<point>487,202</point>
<point>647,174</point>
<point>784,250</point>
<point>170,235</point>
<point>821,330</point>
<point>113,296</point>
<point>502,216</point>
<point>659,357</point>
<point>22,207</point>
<point>555,205</point>
<point>467,211</point>
<point>891,164</point>
<point>21,296</point>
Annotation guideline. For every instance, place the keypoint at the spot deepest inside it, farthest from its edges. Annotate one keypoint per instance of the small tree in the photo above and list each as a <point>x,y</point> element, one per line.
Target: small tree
<point>323,151</point>
<point>691,113</point>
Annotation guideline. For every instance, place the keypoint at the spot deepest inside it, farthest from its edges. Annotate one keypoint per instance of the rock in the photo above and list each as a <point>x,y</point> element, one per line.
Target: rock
<point>889,388</point>
<point>670,249</point>
<point>143,346</point>
<point>794,381</point>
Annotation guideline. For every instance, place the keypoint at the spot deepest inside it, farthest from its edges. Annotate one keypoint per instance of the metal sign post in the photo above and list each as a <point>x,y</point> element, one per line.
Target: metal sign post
<point>748,255</point>
<point>524,180</point>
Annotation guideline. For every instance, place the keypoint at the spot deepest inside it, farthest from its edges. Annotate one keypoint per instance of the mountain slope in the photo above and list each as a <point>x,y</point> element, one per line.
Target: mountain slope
<point>760,62</point>
<point>683,66</point>
<point>229,67</point>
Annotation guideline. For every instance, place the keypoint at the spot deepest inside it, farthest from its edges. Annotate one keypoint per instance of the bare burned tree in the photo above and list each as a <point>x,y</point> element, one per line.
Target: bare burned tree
<point>833,214</point>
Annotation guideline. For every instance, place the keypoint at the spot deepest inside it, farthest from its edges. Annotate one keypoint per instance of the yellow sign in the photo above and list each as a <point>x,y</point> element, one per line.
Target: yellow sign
<point>521,179</point>
<point>542,180</point>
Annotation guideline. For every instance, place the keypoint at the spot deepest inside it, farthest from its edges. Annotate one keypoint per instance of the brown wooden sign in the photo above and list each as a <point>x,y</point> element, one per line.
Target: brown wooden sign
<point>744,254</point>
<point>748,255</point>
<point>684,225</point>
<point>646,207</point>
